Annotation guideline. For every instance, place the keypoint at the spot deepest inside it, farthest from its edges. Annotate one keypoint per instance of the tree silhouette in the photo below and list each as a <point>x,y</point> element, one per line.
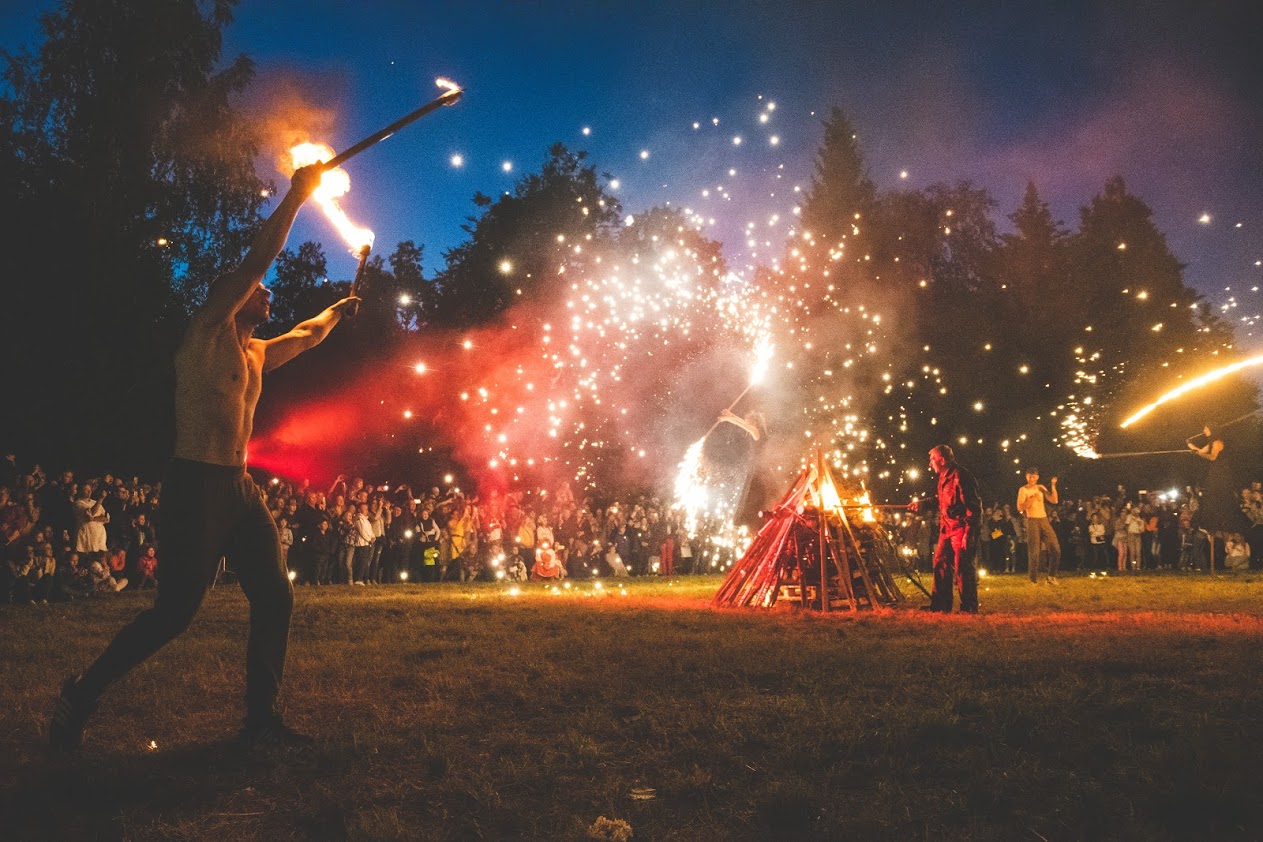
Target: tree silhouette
<point>296,293</point>
<point>131,179</point>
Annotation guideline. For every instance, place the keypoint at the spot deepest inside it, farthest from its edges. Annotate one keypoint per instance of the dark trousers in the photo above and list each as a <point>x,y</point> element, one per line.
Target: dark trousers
<point>998,553</point>
<point>323,566</point>
<point>361,562</point>
<point>954,563</point>
<point>1040,537</point>
<point>1098,556</point>
<point>209,511</point>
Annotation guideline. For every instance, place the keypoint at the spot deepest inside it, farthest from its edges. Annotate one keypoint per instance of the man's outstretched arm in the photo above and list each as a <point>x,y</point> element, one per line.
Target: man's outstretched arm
<point>308,334</point>
<point>230,291</point>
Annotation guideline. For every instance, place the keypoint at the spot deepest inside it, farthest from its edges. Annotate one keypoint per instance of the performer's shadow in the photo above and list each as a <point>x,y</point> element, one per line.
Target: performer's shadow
<point>105,796</point>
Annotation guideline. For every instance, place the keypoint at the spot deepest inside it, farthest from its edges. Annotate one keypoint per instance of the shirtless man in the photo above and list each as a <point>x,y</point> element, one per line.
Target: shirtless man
<point>1039,532</point>
<point>210,506</point>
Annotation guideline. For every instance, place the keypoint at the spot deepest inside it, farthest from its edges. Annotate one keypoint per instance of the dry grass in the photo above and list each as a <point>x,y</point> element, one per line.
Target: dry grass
<point>1122,708</point>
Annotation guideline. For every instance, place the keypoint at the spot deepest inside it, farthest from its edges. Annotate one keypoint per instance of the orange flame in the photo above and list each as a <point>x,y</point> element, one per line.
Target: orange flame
<point>334,184</point>
<point>866,514</point>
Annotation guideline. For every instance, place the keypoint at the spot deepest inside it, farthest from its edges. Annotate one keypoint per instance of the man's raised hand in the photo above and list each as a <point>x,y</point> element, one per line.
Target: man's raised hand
<point>347,306</point>
<point>306,179</point>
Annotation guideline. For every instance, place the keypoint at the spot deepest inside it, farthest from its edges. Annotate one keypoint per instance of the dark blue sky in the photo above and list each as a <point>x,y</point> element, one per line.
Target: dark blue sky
<point>1066,95</point>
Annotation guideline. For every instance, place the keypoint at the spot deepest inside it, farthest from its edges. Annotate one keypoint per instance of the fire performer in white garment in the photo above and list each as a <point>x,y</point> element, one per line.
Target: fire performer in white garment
<point>210,506</point>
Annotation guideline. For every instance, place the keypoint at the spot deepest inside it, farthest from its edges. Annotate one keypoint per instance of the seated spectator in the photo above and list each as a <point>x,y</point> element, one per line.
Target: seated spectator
<point>43,574</point>
<point>21,565</point>
<point>547,565</point>
<point>515,569</point>
<point>102,581</point>
<point>117,561</point>
<point>615,563</point>
<point>578,562</point>
<point>74,580</point>
<point>1236,553</point>
<point>147,565</point>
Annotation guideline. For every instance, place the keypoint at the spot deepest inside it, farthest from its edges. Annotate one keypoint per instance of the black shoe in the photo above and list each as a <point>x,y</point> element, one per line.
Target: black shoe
<point>273,734</point>
<point>70,716</point>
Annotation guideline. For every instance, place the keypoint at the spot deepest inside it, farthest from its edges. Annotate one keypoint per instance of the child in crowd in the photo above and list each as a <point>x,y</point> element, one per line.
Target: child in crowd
<point>103,581</point>
<point>147,566</point>
<point>515,569</point>
<point>287,541</point>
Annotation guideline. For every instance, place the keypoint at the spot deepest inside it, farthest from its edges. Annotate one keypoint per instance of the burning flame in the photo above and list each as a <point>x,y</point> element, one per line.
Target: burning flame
<point>1195,383</point>
<point>334,184</point>
<point>829,499</point>
<point>690,488</point>
<point>866,513</point>
<point>448,84</point>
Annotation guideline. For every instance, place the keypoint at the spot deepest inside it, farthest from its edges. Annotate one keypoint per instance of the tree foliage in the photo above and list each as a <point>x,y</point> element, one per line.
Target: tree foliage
<point>130,178</point>
<point>518,242</point>
<point>991,340</point>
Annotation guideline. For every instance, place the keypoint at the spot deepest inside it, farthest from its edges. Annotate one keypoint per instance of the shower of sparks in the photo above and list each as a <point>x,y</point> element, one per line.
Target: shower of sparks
<point>588,369</point>
<point>763,357</point>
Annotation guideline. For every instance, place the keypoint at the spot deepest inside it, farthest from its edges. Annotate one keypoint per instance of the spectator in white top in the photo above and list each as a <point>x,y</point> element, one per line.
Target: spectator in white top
<point>90,517</point>
<point>362,538</point>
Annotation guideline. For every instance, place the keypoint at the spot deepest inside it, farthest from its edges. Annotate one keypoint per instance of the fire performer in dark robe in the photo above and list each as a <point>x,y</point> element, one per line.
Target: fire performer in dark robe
<point>1220,509</point>
<point>210,505</point>
<point>960,522</point>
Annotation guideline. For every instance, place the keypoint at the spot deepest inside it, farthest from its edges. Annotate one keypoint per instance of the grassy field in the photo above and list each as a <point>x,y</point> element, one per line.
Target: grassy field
<point>1116,708</point>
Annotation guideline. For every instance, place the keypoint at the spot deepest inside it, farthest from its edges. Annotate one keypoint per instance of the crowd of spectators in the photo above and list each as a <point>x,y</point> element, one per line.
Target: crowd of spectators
<point>67,537</point>
<point>360,534</point>
<point>1120,533</point>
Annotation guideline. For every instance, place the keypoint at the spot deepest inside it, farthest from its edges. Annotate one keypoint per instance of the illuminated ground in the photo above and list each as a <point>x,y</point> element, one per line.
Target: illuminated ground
<point>1099,708</point>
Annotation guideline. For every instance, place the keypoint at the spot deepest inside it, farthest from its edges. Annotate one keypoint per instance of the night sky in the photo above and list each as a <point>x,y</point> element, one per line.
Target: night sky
<point>1066,98</point>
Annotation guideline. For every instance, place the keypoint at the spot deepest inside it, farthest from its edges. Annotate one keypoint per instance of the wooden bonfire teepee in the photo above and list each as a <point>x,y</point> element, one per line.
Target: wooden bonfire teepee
<point>808,547</point>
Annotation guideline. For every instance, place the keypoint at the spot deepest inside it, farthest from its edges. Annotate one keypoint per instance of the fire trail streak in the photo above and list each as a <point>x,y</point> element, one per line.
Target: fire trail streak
<point>1196,383</point>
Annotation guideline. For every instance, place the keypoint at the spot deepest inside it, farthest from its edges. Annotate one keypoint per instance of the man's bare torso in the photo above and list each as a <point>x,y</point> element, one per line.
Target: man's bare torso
<point>217,388</point>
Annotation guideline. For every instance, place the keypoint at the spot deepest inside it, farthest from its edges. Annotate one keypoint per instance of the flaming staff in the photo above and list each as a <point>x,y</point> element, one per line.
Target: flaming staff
<point>358,284</point>
<point>1139,453</point>
<point>450,96</point>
